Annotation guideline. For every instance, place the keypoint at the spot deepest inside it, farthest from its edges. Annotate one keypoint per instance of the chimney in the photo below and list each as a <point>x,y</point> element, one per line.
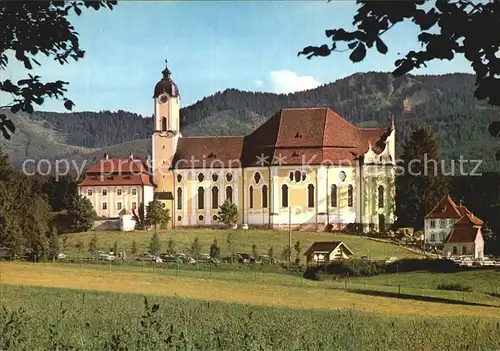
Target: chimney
<point>106,157</point>
<point>131,156</point>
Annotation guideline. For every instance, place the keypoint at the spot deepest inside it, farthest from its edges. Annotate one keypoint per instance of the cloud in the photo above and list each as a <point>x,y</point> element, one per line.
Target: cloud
<point>288,82</point>
<point>258,83</point>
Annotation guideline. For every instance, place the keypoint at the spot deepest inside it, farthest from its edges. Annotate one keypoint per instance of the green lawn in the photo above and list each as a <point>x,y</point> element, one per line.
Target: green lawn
<point>243,241</point>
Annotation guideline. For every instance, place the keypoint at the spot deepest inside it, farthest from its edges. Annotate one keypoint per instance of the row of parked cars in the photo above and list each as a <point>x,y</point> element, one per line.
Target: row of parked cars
<point>469,261</point>
<point>202,258</point>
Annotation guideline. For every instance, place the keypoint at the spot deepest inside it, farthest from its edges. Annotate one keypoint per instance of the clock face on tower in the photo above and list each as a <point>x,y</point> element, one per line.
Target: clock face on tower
<point>163,99</point>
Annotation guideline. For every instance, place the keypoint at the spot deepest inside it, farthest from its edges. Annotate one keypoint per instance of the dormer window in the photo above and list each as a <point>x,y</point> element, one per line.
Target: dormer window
<point>298,135</point>
<point>295,154</point>
<point>211,155</point>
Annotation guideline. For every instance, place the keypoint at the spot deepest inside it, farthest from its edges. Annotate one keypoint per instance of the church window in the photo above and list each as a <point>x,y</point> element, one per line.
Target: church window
<point>164,123</point>
<point>229,177</point>
<point>104,192</point>
<point>104,205</point>
<point>333,195</point>
<point>201,177</point>
<point>380,196</point>
<point>304,176</point>
<point>349,196</point>
<point>179,178</point>
<point>118,205</point>
<point>310,196</point>
<point>215,198</point>
<point>215,177</point>
<point>179,198</point>
<point>284,195</point>
<point>298,175</point>
<point>89,192</point>
<point>264,196</point>
<point>290,176</point>
<point>250,196</point>
<point>257,177</point>
<point>134,205</point>
<point>215,218</point>
<point>179,218</point>
<point>163,147</point>
<point>201,198</point>
<point>200,217</point>
<point>229,194</point>
<point>118,191</point>
<point>342,176</point>
<point>134,191</point>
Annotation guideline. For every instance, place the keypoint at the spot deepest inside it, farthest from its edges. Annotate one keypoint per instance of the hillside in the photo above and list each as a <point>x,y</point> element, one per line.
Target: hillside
<point>444,102</point>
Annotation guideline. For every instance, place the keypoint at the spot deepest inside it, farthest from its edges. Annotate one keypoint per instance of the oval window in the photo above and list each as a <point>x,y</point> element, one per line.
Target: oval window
<point>179,218</point>
<point>200,217</point>
<point>229,177</point>
<point>342,176</point>
<point>179,178</point>
<point>256,177</point>
<point>215,177</point>
<point>201,177</point>
<point>298,176</point>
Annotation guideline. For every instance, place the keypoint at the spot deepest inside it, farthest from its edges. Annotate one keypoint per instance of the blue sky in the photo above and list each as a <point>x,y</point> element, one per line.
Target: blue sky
<point>212,46</point>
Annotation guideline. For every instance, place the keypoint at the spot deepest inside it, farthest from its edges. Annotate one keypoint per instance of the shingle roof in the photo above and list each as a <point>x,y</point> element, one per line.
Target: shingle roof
<point>465,230</point>
<point>446,208</point>
<point>326,246</point>
<point>135,179</point>
<point>115,171</point>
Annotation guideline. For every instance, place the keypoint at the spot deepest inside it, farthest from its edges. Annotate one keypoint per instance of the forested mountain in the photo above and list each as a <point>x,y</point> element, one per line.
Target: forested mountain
<point>444,102</point>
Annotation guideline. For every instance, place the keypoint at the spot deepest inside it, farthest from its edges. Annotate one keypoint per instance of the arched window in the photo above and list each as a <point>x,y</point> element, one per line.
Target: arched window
<point>250,196</point>
<point>201,198</point>
<point>164,123</point>
<point>215,197</point>
<point>349,196</point>
<point>298,176</point>
<point>310,196</point>
<point>290,176</point>
<point>333,196</point>
<point>201,177</point>
<point>229,194</point>
<point>284,195</point>
<point>256,177</point>
<point>179,198</point>
<point>264,196</point>
<point>380,196</point>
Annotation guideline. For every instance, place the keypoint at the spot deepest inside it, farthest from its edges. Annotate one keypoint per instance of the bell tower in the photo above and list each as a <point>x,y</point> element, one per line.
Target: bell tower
<point>166,134</point>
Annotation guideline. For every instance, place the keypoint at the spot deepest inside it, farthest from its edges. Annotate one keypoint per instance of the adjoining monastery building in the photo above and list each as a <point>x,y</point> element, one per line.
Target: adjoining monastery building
<point>309,161</point>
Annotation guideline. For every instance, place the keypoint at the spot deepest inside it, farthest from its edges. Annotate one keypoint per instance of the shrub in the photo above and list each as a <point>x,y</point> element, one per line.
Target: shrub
<point>454,287</point>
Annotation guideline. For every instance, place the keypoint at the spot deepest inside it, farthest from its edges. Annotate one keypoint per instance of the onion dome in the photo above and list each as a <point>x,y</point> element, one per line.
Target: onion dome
<point>166,85</point>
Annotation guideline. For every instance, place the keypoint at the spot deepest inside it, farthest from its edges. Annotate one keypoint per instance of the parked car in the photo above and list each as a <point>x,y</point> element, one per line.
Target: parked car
<point>62,256</point>
<point>185,258</point>
<point>263,259</point>
<point>146,256</point>
<point>170,258</point>
<point>102,256</point>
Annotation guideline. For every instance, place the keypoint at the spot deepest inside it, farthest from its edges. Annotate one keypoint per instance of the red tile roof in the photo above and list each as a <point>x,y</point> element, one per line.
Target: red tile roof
<point>465,230</point>
<point>116,166</point>
<point>135,179</point>
<point>312,135</point>
<point>447,208</point>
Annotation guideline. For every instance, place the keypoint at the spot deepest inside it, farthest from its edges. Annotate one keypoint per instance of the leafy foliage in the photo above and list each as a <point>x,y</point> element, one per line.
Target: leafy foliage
<point>93,245</point>
<point>82,214</point>
<point>47,32</point>
<point>228,213</point>
<point>195,248</point>
<point>170,246</point>
<point>214,250</point>
<point>133,249</point>
<point>156,213</point>
<point>423,184</point>
<point>54,245</point>
<point>155,244</point>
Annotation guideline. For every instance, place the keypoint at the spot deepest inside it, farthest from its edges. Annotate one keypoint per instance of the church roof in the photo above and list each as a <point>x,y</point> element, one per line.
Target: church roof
<point>134,179</point>
<point>166,85</point>
<point>291,136</point>
<point>116,171</point>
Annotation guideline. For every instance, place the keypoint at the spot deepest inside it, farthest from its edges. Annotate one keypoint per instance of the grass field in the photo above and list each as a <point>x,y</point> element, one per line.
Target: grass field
<point>243,241</point>
<point>213,312</point>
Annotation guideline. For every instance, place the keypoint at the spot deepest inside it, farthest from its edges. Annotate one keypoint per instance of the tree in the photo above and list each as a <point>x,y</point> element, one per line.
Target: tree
<point>155,244</point>
<point>286,253</point>
<point>156,213</point>
<point>93,245</point>
<point>422,183</point>
<point>270,253</point>
<point>79,245</point>
<point>228,213</point>
<point>64,243</point>
<point>53,251</point>
<point>133,249</point>
<point>81,214</point>
<point>297,251</point>
<point>171,246</point>
<point>115,248</point>
<point>255,253</point>
<point>230,244</point>
<point>30,30</point>
<point>214,250</point>
<point>195,248</point>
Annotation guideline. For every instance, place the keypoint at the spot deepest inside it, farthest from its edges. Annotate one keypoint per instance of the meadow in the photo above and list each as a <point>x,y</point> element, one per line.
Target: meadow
<point>243,241</point>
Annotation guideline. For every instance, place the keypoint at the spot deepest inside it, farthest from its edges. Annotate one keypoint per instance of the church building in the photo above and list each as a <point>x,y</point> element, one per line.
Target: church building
<point>307,167</point>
